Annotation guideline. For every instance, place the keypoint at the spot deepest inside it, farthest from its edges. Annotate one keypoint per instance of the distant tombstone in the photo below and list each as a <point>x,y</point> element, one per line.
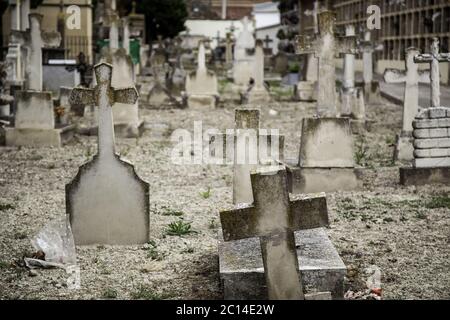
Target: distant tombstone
<point>201,85</point>
<point>411,78</point>
<point>280,63</point>
<point>257,93</point>
<point>107,202</point>
<point>243,58</point>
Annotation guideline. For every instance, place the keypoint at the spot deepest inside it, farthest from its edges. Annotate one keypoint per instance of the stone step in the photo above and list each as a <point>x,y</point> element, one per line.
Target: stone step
<point>431,162</point>
<point>432,123</point>
<point>432,143</point>
<point>432,153</point>
<point>431,133</point>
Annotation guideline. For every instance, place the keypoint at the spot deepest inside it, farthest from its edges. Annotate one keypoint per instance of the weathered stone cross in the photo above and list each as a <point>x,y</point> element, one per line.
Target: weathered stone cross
<point>273,217</point>
<point>367,47</point>
<point>104,96</point>
<point>34,39</point>
<point>433,59</point>
<point>325,47</point>
<point>411,77</point>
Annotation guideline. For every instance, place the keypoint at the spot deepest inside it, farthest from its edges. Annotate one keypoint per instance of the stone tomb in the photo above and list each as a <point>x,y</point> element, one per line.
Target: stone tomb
<point>272,249</point>
<point>411,77</point>
<point>431,132</point>
<point>35,114</point>
<point>257,93</point>
<point>326,162</point>
<point>201,85</point>
<point>243,58</point>
<point>107,202</point>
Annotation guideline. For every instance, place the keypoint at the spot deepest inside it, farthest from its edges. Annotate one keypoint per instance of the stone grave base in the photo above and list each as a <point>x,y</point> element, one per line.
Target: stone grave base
<point>256,96</point>
<point>38,137</point>
<point>422,176</point>
<point>242,271</point>
<point>372,92</point>
<point>404,148</point>
<point>202,101</point>
<point>311,180</point>
<point>305,91</point>
<point>352,104</point>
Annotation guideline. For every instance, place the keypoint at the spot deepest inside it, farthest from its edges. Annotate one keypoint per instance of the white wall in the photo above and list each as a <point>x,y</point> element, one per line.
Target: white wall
<point>209,28</point>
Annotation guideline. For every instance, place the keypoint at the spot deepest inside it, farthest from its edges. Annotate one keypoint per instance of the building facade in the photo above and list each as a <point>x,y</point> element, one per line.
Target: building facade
<point>75,40</point>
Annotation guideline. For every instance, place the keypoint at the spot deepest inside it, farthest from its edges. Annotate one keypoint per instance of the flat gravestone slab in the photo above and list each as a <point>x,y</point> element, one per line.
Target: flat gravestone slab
<point>242,271</point>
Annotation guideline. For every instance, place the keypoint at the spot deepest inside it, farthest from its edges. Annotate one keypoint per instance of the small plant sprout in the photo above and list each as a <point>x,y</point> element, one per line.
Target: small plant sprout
<point>179,228</point>
<point>206,194</point>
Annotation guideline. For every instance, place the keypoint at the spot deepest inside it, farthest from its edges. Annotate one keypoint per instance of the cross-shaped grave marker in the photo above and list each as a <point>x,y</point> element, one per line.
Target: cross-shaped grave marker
<point>107,202</point>
<point>368,48</point>
<point>273,217</point>
<point>433,59</point>
<point>34,39</point>
<point>325,46</point>
<point>267,41</point>
<point>411,77</point>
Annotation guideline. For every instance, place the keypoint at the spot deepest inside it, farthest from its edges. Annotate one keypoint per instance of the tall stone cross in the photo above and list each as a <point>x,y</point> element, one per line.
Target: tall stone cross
<point>107,202</point>
<point>229,49</point>
<point>411,77</point>
<point>367,47</point>
<point>349,61</point>
<point>433,59</point>
<point>126,34</point>
<point>274,218</point>
<point>325,46</point>
<point>34,39</point>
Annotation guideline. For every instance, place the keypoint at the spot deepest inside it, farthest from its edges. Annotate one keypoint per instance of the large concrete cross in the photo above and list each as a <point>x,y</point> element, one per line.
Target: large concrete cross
<point>273,217</point>
<point>104,96</point>
<point>433,59</point>
<point>367,47</point>
<point>325,47</point>
<point>34,39</point>
<point>411,77</point>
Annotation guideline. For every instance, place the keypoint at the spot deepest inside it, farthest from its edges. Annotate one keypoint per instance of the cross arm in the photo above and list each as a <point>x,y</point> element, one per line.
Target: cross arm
<point>444,57</point>
<point>82,96</point>
<point>239,223</point>
<point>309,213</point>
<point>423,58</point>
<point>126,95</point>
<point>51,39</point>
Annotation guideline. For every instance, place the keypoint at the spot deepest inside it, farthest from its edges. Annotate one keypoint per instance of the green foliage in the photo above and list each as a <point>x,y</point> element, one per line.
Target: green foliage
<point>6,206</point>
<point>110,293</point>
<point>206,194</point>
<point>438,202</point>
<point>179,228</point>
<point>361,152</point>
<point>146,293</point>
<point>163,17</point>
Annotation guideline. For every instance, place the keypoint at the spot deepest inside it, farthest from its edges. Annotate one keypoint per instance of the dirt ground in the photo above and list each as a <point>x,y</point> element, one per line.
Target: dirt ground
<point>404,231</point>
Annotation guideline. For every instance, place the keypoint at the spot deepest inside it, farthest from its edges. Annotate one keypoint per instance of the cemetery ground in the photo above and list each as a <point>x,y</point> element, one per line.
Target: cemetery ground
<point>404,231</point>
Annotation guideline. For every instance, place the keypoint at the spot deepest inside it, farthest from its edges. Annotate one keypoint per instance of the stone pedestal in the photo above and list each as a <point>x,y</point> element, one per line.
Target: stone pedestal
<point>404,149</point>
<point>326,160</point>
<point>242,271</point>
<point>424,176</point>
<point>35,122</point>
<point>305,91</point>
<point>256,96</point>
<point>202,101</point>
